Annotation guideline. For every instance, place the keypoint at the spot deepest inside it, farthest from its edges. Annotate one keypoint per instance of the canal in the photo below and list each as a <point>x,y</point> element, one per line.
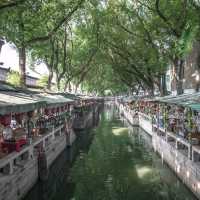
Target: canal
<point>114,161</point>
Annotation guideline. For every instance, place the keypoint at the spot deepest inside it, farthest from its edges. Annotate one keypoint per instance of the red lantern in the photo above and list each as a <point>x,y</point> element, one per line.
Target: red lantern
<point>5,119</point>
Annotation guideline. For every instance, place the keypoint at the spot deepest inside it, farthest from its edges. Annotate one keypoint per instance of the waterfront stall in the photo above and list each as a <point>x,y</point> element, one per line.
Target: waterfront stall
<point>126,101</point>
<point>133,105</point>
<point>193,121</point>
<point>57,115</point>
<point>85,113</point>
<point>172,114</point>
<point>139,111</point>
<point>167,115</point>
<point>26,118</point>
<point>178,113</point>
<point>16,153</point>
<point>33,134</point>
<point>75,101</point>
<point>181,121</point>
<point>142,105</point>
<point>147,108</point>
<point>16,111</point>
<point>35,127</point>
<point>131,110</point>
<point>75,98</point>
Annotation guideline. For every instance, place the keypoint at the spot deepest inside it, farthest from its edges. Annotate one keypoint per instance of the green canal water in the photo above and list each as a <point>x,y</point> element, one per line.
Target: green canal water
<point>114,161</point>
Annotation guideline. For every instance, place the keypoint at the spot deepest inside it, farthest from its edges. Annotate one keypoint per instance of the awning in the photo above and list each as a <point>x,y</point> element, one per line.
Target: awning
<point>191,101</point>
<point>53,100</point>
<point>73,97</point>
<point>181,99</point>
<point>195,107</point>
<point>18,102</point>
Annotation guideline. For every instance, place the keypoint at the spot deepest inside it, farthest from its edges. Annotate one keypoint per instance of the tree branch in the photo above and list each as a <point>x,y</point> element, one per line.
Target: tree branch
<point>195,5</point>
<point>145,5</point>
<point>11,5</point>
<point>57,26</point>
<point>85,69</point>
<point>164,18</point>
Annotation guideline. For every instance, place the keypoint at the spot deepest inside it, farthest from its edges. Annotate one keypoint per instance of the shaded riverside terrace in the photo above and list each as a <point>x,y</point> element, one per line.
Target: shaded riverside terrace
<point>174,124</point>
<point>35,127</point>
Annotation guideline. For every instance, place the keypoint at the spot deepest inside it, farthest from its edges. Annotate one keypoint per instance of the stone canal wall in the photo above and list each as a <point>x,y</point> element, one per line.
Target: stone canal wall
<point>15,185</point>
<point>55,148</point>
<point>145,123</point>
<point>19,171</point>
<point>178,153</point>
<point>185,169</point>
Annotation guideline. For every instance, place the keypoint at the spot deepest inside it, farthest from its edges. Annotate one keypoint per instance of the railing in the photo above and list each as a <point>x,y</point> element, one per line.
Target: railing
<point>7,162</point>
<point>146,117</point>
<point>185,168</point>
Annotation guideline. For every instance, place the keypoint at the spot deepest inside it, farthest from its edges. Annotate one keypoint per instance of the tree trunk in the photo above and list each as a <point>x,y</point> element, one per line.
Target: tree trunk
<point>163,88</point>
<point>22,65</point>
<point>2,42</point>
<point>198,75</point>
<point>50,77</point>
<point>76,88</point>
<point>70,87</point>
<point>138,90</point>
<point>61,72</point>
<point>197,87</point>
<point>58,86</point>
<point>50,64</point>
<point>58,82</point>
<point>151,90</point>
<point>179,71</point>
<point>180,77</point>
<point>67,86</point>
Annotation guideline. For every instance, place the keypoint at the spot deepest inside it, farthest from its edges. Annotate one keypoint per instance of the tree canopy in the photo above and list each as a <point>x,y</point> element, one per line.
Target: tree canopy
<point>103,46</point>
